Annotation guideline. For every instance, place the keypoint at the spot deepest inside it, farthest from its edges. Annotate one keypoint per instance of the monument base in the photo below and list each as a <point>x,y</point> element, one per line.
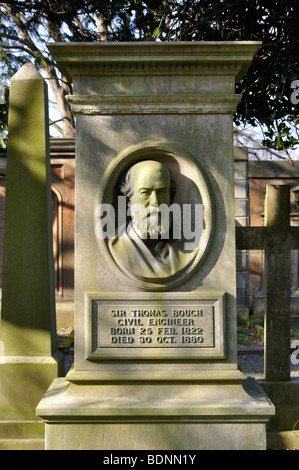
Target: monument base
<point>24,380</point>
<point>283,428</point>
<point>203,415</point>
<point>22,435</point>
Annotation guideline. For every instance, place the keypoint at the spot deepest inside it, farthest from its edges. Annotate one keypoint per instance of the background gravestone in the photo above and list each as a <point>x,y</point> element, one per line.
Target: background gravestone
<point>155,355</point>
<point>29,360</point>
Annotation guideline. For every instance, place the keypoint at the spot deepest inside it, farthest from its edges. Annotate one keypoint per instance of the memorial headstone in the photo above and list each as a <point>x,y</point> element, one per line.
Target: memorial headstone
<point>29,359</point>
<point>277,238</point>
<point>155,293</point>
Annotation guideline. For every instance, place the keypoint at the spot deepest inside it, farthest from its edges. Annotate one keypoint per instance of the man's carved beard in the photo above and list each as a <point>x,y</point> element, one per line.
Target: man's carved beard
<point>148,222</point>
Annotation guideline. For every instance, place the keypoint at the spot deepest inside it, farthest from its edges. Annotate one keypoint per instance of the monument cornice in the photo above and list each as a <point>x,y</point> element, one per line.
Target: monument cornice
<point>154,104</point>
<point>225,57</point>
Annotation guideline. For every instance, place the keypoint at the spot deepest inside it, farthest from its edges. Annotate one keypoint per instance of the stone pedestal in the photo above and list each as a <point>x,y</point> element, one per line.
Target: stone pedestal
<point>220,411</point>
<point>155,331</point>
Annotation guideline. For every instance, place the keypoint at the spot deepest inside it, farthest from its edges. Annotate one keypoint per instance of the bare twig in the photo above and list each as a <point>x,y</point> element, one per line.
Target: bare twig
<point>261,146</point>
<point>54,124</point>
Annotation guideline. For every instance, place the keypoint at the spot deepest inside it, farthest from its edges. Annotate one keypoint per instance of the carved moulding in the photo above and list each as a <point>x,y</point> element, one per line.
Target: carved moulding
<point>154,104</point>
<point>192,187</point>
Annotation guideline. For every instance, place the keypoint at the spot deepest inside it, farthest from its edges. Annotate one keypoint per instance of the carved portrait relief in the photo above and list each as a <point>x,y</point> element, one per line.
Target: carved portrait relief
<point>154,213</point>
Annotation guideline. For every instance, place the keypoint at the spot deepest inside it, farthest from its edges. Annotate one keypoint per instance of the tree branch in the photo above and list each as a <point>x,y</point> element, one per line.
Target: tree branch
<point>256,142</point>
<point>53,123</point>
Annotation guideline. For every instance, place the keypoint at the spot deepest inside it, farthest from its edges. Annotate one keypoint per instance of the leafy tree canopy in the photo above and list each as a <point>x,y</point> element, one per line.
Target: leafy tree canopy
<point>27,26</point>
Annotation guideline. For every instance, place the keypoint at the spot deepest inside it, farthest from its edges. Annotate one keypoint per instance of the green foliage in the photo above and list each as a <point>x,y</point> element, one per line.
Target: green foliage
<point>260,332</point>
<point>243,322</point>
<point>67,343</point>
<point>266,88</point>
<point>294,335</point>
<point>243,342</point>
<point>244,337</point>
<point>250,321</point>
<point>250,331</point>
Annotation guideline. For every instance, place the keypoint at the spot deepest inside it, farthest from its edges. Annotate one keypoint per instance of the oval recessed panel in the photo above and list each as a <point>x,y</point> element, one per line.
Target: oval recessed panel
<point>158,262</point>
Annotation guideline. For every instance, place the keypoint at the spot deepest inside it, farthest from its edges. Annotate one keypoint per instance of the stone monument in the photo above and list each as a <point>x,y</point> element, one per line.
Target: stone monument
<point>155,292</point>
<point>29,359</point>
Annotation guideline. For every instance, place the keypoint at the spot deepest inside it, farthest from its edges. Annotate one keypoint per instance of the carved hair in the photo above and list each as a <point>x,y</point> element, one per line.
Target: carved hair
<point>126,186</point>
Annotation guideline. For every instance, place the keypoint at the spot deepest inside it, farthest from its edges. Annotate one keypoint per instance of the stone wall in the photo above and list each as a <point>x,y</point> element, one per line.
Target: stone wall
<point>242,219</point>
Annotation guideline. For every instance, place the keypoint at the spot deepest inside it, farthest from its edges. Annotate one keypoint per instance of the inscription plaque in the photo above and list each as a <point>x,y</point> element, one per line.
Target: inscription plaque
<point>155,326</point>
<point>164,326</point>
